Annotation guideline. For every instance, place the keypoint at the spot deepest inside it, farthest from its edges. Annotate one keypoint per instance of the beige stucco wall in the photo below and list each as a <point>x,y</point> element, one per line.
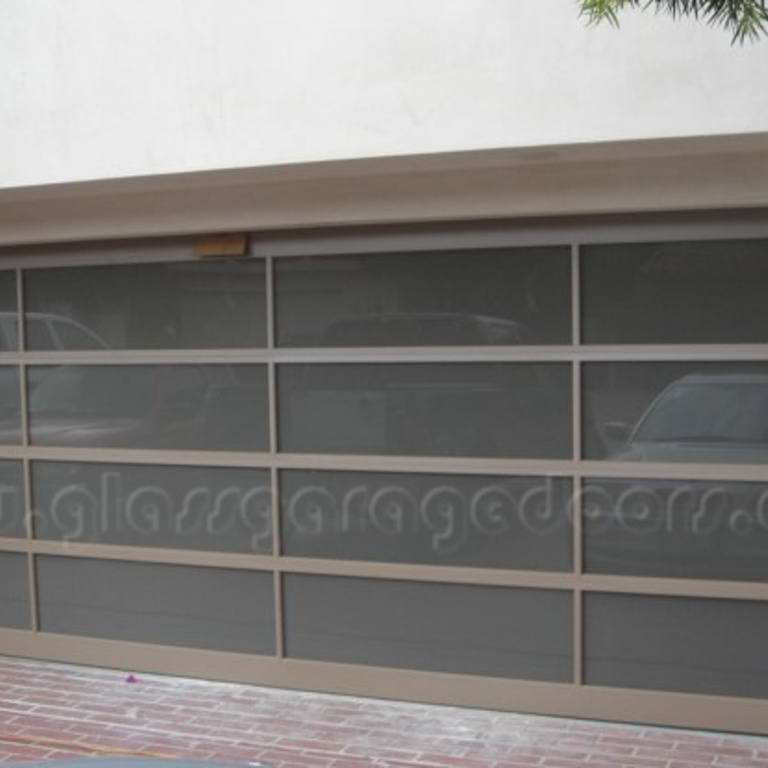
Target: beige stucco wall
<point>93,89</point>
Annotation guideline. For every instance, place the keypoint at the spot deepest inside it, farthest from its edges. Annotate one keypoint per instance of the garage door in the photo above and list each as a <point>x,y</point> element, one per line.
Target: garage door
<point>517,467</point>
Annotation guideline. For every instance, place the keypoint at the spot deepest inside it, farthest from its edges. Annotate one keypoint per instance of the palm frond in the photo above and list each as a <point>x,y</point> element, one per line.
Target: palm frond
<point>744,19</point>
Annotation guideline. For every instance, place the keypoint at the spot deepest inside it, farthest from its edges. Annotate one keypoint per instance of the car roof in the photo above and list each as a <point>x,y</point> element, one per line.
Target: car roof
<point>723,378</point>
<point>424,316</point>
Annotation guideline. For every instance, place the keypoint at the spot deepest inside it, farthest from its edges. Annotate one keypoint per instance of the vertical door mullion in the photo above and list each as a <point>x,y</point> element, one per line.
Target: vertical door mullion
<point>575,507</point>
<point>25,462</point>
<point>273,448</point>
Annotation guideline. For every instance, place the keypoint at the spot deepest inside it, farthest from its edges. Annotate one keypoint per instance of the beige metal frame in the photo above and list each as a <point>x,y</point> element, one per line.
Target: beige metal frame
<point>576,698</point>
<point>619,177</point>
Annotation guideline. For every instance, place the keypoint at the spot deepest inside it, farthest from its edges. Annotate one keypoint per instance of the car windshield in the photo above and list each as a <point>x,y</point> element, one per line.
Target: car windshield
<point>711,412</point>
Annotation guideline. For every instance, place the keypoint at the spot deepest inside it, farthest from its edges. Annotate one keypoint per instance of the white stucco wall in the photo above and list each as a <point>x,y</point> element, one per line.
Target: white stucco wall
<point>109,88</point>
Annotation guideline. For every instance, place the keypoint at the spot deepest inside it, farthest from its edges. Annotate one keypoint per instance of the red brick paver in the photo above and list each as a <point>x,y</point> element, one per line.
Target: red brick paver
<point>56,711</point>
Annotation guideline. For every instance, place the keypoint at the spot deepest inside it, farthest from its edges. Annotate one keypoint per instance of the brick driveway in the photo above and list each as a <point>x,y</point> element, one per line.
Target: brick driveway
<point>52,710</point>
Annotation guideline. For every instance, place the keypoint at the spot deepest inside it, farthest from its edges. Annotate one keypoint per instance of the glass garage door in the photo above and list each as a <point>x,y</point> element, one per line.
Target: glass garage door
<point>514,469</point>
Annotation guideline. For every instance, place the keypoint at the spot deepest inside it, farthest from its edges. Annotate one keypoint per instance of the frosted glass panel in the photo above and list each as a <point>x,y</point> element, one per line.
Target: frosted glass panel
<point>675,293</point>
<point>9,324</point>
<point>184,305</point>
<point>12,524</point>
<point>690,645</point>
<point>671,412</point>
<point>10,406</point>
<point>461,409</point>
<point>503,297</point>
<point>200,508</point>
<point>14,591</point>
<point>193,407</point>
<point>216,609</point>
<point>677,528</point>
<point>487,522</point>
<point>518,633</point>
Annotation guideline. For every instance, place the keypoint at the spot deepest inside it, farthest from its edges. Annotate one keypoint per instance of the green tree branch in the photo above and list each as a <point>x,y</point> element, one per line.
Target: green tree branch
<point>744,19</point>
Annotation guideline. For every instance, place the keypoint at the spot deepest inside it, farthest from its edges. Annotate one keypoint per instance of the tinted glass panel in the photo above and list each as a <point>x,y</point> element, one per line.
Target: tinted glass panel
<point>14,591</point>
<point>216,609</point>
<point>206,508</point>
<point>12,522</point>
<point>698,412</point>
<point>499,522</point>
<point>518,633</point>
<point>677,644</point>
<point>195,407</point>
<point>147,306</point>
<point>499,297</point>
<point>10,408</point>
<point>707,292</point>
<point>9,327</point>
<point>677,528</point>
<point>483,409</point>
